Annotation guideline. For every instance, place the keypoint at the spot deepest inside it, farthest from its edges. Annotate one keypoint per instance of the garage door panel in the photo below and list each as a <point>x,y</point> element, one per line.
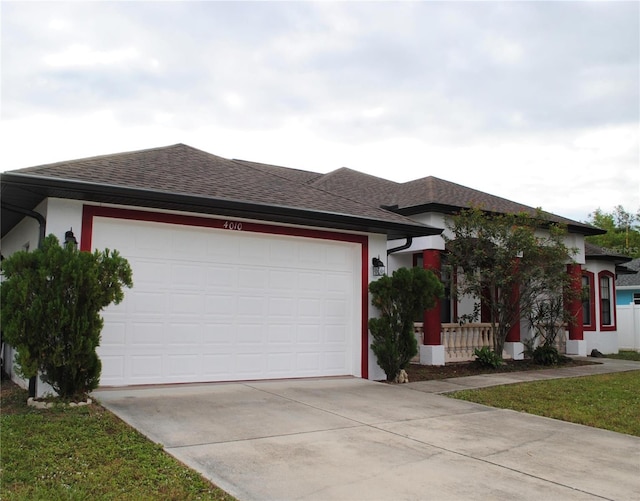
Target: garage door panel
<point>146,301</point>
<point>279,336</point>
<point>310,281</point>
<point>148,367</point>
<point>282,307</point>
<point>252,278</point>
<point>307,334</point>
<point>220,305</point>
<point>183,366</point>
<point>183,303</point>
<point>147,333</point>
<point>187,276</point>
<point>218,365</point>
<point>113,333</point>
<point>150,272</point>
<point>185,334</point>
<point>251,306</point>
<point>112,369</point>
<point>220,276</point>
<point>229,305</point>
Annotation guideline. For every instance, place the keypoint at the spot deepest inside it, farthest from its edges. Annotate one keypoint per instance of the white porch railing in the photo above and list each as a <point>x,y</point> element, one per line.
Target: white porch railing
<point>460,341</point>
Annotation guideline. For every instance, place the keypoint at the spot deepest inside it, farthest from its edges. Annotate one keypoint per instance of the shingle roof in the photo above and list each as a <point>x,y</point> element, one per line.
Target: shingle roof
<point>593,250</point>
<point>181,169</point>
<point>417,196</point>
<point>630,279</point>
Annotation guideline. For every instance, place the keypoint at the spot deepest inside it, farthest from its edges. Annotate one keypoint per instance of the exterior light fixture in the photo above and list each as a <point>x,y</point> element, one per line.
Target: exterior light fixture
<point>70,239</point>
<point>378,267</point>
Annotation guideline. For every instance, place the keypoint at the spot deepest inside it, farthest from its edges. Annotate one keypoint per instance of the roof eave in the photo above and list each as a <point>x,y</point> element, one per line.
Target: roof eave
<point>94,192</point>
<point>585,230</point>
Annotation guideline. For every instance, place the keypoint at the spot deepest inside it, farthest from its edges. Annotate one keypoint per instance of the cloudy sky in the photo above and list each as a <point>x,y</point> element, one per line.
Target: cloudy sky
<point>537,102</point>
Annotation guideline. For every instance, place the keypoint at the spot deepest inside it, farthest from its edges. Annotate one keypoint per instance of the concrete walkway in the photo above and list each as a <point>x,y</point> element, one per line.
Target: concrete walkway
<point>602,366</point>
<point>353,439</point>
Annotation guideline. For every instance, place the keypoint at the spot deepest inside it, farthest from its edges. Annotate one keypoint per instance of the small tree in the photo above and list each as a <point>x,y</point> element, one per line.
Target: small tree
<point>509,262</point>
<point>400,299</point>
<point>51,299</point>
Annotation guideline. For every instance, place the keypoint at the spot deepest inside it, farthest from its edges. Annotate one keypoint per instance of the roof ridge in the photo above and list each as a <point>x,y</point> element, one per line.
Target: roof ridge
<point>335,172</point>
<point>312,185</point>
<point>248,163</point>
<point>111,155</point>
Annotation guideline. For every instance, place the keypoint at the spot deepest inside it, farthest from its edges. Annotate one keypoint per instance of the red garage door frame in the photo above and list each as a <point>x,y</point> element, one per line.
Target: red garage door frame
<point>89,212</point>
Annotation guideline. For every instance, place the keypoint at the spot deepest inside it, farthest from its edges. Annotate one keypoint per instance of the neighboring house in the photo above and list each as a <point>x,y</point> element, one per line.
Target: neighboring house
<point>245,271</point>
<point>600,317</point>
<point>628,306</point>
<point>628,284</point>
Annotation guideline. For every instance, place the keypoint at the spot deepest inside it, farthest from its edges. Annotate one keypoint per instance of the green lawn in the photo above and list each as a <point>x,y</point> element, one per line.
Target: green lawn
<point>86,453</point>
<point>608,401</point>
<point>626,355</point>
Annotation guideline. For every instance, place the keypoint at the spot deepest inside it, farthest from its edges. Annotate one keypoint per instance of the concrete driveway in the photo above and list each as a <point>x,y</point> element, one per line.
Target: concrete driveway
<point>353,439</point>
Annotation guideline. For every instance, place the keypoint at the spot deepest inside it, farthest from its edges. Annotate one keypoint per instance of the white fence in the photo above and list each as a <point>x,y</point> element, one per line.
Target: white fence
<point>628,327</point>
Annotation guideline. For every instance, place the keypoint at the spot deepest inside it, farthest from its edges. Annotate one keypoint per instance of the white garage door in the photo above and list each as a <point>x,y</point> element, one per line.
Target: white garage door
<point>219,305</point>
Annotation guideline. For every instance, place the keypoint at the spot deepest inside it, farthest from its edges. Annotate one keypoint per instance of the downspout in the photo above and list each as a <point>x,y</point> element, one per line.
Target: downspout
<point>401,247</point>
<point>30,213</point>
<point>42,222</point>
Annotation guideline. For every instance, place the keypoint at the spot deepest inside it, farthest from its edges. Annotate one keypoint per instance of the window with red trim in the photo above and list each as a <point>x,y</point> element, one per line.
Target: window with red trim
<point>588,302</point>
<point>606,291</point>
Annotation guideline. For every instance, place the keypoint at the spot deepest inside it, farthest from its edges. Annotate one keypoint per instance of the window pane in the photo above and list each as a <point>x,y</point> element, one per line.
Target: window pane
<point>586,303</point>
<point>605,301</point>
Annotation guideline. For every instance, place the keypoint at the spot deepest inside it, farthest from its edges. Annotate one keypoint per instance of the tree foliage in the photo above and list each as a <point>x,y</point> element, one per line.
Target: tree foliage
<point>512,263</point>
<point>623,230</point>
<point>400,298</point>
<point>51,299</point>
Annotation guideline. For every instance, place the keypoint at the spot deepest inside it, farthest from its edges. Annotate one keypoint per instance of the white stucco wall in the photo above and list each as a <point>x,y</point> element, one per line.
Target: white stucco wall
<point>22,237</point>
<point>62,216</point>
<point>377,248</point>
<point>603,341</point>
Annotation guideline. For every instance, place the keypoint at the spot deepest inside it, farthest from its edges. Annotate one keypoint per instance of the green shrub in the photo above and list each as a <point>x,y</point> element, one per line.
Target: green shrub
<point>486,357</point>
<point>51,300</point>
<point>546,355</point>
<point>400,298</point>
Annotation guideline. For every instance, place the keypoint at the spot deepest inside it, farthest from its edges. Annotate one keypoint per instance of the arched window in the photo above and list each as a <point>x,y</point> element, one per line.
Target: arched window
<point>606,292</point>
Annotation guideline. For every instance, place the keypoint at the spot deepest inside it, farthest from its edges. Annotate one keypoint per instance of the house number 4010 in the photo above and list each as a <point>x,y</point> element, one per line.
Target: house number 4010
<point>232,225</point>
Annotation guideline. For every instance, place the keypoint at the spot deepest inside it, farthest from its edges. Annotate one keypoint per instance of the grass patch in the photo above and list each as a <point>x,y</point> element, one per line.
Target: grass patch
<point>608,401</point>
<point>86,453</point>
<point>626,355</point>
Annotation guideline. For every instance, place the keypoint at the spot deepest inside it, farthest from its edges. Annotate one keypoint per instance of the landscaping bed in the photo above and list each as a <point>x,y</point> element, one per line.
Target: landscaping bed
<point>417,372</point>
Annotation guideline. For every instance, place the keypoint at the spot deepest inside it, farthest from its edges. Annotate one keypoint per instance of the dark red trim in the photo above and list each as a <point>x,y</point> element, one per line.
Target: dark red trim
<point>592,301</point>
<point>612,301</point>
<point>89,212</point>
<point>431,325</point>
<point>364,321</point>
<point>573,304</point>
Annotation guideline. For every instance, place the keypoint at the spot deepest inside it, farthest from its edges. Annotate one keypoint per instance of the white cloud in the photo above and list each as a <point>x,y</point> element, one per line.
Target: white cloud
<point>534,101</point>
<point>82,55</point>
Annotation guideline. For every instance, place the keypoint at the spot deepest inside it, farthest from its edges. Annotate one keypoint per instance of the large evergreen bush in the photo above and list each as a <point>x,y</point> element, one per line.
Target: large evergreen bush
<point>400,298</point>
<point>51,300</point>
